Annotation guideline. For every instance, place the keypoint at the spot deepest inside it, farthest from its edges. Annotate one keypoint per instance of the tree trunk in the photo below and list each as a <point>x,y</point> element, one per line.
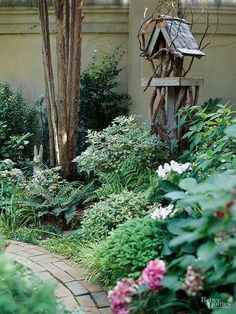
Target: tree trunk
<point>63,109</point>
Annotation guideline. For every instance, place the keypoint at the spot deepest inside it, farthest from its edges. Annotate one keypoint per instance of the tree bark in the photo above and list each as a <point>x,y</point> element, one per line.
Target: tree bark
<point>63,109</point>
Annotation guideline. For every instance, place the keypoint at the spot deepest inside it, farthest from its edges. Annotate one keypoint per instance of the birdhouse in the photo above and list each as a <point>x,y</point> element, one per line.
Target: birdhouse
<point>171,40</point>
<point>175,35</point>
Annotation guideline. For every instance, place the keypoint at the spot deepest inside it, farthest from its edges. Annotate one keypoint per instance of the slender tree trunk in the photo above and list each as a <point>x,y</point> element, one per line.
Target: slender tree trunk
<point>63,110</point>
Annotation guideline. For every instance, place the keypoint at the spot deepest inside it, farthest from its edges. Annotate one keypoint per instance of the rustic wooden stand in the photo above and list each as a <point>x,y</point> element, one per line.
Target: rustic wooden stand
<point>179,91</point>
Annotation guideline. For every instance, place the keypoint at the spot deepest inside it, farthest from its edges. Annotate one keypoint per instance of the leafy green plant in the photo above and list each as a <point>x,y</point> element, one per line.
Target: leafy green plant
<point>111,212</point>
<point>47,193</point>
<point>126,251</point>
<point>64,201</point>
<point>12,214</point>
<point>218,152</point>
<point>32,234</point>
<point>17,122</point>
<point>129,176</point>
<point>126,138</point>
<point>98,95</point>
<point>66,246</point>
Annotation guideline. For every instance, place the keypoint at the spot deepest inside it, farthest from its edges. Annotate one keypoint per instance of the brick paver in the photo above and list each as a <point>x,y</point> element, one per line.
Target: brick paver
<point>72,288</point>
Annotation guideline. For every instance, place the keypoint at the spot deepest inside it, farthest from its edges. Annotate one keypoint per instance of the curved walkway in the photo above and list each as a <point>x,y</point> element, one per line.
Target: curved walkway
<point>72,289</point>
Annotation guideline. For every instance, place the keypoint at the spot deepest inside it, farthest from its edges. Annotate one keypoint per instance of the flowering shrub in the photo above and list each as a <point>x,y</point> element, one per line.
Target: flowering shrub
<point>194,282</point>
<point>121,296</point>
<point>12,176</point>
<point>200,269</point>
<point>49,179</point>
<point>153,274</point>
<point>126,292</point>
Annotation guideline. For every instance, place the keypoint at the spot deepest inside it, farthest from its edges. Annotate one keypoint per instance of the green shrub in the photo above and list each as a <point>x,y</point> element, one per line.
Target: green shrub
<point>98,97</point>
<point>126,251</point>
<point>106,215</point>
<point>12,146</point>
<point>22,292</point>
<point>218,152</point>
<point>126,138</point>
<point>17,121</point>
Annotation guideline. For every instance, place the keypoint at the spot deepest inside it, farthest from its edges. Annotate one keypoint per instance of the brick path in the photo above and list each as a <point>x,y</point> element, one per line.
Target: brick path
<point>72,289</point>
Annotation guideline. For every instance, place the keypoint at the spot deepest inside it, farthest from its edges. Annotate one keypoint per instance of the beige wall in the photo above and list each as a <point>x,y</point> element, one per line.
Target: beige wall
<point>105,28</point>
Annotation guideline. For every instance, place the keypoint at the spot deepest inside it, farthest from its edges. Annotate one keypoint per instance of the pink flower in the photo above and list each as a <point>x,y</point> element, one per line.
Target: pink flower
<point>153,274</point>
<point>121,296</point>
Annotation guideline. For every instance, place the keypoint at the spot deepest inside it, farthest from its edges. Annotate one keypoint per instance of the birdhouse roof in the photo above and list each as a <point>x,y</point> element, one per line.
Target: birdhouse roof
<point>178,37</point>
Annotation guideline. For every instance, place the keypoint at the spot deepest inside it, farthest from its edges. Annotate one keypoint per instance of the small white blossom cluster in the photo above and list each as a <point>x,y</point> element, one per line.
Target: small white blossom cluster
<point>12,175</point>
<point>161,213</point>
<point>162,171</point>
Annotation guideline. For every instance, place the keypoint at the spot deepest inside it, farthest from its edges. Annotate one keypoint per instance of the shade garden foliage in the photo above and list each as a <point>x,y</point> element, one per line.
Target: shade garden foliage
<point>158,233</point>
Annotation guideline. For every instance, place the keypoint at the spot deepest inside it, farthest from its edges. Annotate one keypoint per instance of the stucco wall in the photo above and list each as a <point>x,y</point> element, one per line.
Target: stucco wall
<point>104,29</point>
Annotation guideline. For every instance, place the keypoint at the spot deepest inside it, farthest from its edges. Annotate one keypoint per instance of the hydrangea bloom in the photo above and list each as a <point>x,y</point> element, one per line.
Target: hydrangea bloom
<point>153,274</point>
<point>162,171</point>
<point>162,212</point>
<point>194,281</point>
<point>121,296</point>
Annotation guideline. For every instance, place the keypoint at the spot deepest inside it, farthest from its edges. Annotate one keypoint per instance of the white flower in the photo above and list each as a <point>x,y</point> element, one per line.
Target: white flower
<point>167,167</point>
<point>26,143</point>
<point>185,166</point>
<point>162,213</point>
<point>176,167</point>
<point>173,166</point>
<point>161,172</point>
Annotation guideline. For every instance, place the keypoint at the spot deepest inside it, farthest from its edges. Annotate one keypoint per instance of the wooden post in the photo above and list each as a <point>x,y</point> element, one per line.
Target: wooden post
<point>178,89</point>
<point>172,98</point>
